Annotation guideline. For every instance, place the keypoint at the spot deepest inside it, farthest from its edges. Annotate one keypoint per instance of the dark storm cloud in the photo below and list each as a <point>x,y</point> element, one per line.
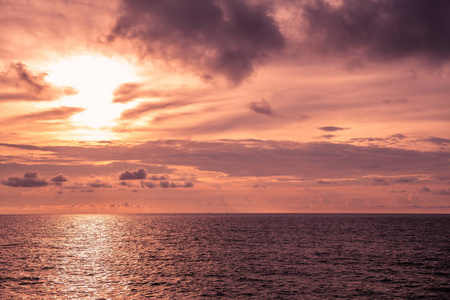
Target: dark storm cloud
<point>140,173</point>
<point>29,179</point>
<point>227,37</point>
<point>332,128</point>
<point>262,107</point>
<point>381,29</point>
<point>19,83</point>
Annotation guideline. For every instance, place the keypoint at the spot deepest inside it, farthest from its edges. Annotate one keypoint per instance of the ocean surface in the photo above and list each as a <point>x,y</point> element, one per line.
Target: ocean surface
<point>229,256</point>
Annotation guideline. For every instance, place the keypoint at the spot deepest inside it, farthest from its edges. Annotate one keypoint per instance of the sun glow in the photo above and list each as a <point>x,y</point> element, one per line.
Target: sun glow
<point>95,78</point>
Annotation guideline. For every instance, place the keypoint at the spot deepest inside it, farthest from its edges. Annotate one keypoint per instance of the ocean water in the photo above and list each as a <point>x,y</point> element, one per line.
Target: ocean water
<point>229,256</point>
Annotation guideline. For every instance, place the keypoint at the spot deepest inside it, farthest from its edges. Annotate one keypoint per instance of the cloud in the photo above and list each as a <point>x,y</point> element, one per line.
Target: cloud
<point>188,184</point>
<point>59,179</point>
<point>438,141</point>
<point>405,179</point>
<point>381,30</point>
<point>262,107</point>
<point>380,181</point>
<point>435,192</point>
<point>396,101</point>
<point>323,182</point>
<point>99,184</point>
<point>164,184</point>
<point>227,38</point>
<point>332,128</point>
<point>327,136</point>
<point>60,113</point>
<point>19,83</point>
<point>140,173</point>
<point>144,108</point>
<point>259,186</point>
<point>424,190</point>
<point>29,179</point>
<point>150,185</point>
<point>257,158</point>
<point>158,177</point>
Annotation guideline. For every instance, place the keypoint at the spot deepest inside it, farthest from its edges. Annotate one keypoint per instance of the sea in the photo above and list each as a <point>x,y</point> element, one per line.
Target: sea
<point>225,256</point>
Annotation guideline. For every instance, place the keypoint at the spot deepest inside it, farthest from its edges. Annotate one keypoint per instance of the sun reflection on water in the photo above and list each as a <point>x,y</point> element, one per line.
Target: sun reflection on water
<point>89,262</point>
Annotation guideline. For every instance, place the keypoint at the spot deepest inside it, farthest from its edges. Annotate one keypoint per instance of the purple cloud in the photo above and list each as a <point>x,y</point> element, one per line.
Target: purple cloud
<point>29,179</point>
<point>225,38</point>
<point>262,107</point>
<point>332,128</point>
<point>133,175</point>
<point>59,179</point>
<point>381,30</point>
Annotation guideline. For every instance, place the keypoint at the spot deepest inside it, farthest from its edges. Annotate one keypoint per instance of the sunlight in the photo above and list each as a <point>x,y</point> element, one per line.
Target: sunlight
<point>95,78</point>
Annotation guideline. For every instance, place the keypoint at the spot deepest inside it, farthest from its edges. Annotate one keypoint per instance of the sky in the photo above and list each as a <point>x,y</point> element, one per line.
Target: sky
<point>239,106</point>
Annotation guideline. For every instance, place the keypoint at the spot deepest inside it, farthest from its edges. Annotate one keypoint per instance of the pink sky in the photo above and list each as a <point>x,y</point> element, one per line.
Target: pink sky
<point>224,106</point>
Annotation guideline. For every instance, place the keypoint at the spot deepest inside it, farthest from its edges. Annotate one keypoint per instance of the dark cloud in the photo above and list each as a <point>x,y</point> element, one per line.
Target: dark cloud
<point>425,190</point>
<point>405,179</point>
<point>259,186</point>
<point>327,136</point>
<point>399,180</point>
<point>29,179</point>
<point>148,184</point>
<point>99,184</point>
<point>26,147</point>
<point>442,192</point>
<point>332,128</point>
<point>435,192</point>
<point>140,173</point>
<point>59,179</point>
<point>380,29</point>
<point>380,181</point>
<point>438,141</point>
<point>262,107</point>
<point>164,184</point>
<point>158,177</point>
<point>19,83</point>
<point>226,37</point>
<point>188,184</point>
<point>253,157</point>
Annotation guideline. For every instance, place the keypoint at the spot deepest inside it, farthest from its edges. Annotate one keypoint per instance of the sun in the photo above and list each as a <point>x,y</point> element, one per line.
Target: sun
<point>95,78</point>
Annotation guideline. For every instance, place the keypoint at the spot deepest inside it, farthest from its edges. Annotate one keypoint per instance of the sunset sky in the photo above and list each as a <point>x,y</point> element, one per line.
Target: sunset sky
<point>224,106</point>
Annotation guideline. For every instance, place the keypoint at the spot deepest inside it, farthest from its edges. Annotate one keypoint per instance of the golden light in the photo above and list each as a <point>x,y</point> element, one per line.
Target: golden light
<point>95,78</point>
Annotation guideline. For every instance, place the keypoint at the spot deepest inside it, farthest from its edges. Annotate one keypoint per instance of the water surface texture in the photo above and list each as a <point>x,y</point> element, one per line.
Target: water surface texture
<point>281,256</point>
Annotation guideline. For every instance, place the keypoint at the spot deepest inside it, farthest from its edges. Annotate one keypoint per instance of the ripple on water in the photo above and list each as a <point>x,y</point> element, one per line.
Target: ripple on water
<point>230,256</point>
